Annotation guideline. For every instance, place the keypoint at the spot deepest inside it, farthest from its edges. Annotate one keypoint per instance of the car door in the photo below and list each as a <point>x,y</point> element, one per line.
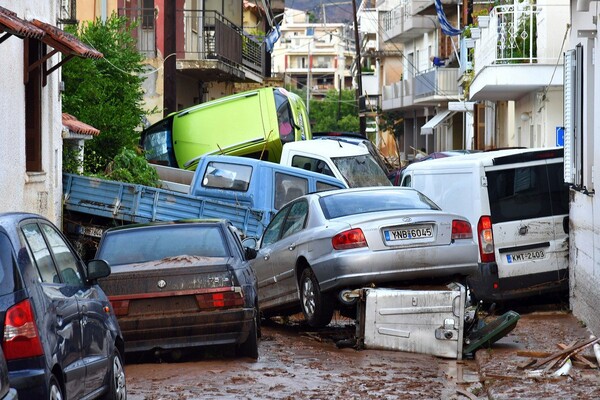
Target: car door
<point>263,263</point>
<point>285,250</point>
<point>528,204</point>
<point>92,306</point>
<point>57,311</point>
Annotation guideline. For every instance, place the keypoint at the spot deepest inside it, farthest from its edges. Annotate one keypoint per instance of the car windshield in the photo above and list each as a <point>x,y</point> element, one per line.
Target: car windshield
<point>157,143</point>
<point>343,204</point>
<point>361,171</point>
<point>138,245</point>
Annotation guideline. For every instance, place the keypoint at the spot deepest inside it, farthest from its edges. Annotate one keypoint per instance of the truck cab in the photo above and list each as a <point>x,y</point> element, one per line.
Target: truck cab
<point>350,163</point>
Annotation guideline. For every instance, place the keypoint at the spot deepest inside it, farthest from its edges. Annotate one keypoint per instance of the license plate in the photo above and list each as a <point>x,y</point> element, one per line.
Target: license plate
<point>529,255</point>
<point>419,232</point>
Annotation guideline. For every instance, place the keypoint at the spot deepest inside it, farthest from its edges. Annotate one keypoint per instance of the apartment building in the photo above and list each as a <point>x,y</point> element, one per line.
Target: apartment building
<point>420,98</point>
<point>215,45</point>
<point>316,56</point>
<point>512,67</point>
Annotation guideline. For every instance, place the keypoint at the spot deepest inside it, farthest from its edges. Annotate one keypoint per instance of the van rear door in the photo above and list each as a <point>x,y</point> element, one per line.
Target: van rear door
<point>528,206</point>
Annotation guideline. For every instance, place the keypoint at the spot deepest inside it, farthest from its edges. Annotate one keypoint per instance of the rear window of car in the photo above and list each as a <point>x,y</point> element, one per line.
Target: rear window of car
<point>136,245</point>
<point>527,192</point>
<point>8,270</point>
<point>343,204</point>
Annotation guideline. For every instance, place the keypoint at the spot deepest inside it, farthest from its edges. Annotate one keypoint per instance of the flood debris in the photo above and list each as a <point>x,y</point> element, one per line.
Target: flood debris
<point>540,364</point>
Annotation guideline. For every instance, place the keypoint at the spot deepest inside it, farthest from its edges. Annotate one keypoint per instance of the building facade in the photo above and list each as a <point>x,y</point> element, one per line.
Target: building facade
<point>33,48</point>
<point>582,152</point>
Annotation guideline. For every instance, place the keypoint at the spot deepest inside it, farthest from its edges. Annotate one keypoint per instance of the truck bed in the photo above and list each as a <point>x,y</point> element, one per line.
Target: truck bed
<point>138,204</point>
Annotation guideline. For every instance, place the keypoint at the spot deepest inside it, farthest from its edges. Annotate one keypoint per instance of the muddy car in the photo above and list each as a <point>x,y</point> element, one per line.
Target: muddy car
<point>181,284</point>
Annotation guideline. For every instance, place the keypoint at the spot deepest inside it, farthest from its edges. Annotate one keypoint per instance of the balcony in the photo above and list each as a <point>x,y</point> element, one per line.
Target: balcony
<point>397,95</point>
<point>208,45</point>
<point>519,52</point>
<point>401,25</point>
<point>436,85</point>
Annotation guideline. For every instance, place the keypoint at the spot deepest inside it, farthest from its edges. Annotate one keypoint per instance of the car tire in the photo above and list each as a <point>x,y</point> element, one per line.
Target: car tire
<point>54,389</point>
<point>250,347</point>
<point>316,307</point>
<point>117,389</point>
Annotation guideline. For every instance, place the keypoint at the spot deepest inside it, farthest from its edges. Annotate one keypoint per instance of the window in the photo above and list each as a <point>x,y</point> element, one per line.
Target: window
<point>322,186</point>
<point>310,31</point>
<point>33,106</point>
<point>68,266</point>
<point>288,188</point>
<point>296,219</point>
<point>272,232</point>
<point>40,253</point>
<point>148,14</point>
<point>9,275</point>
<point>527,192</point>
<point>312,164</point>
<point>285,118</point>
<point>220,175</point>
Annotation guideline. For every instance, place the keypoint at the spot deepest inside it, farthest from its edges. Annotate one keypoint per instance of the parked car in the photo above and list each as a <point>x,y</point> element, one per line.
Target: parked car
<point>181,284</point>
<point>321,245</point>
<point>61,337</point>
<point>6,391</point>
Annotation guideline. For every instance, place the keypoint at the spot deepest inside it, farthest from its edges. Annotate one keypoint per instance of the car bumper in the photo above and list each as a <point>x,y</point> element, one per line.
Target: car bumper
<point>29,383</point>
<point>147,332</point>
<point>360,267</point>
<point>487,286</point>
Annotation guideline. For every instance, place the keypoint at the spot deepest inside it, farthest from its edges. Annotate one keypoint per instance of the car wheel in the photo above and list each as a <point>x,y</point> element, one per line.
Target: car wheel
<point>54,390</point>
<point>117,390</point>
<point>317,309</point>
<point>250,347</point>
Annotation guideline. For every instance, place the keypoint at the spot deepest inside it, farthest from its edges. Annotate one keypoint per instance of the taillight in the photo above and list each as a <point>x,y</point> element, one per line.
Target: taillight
<point>120,307</point>
<point>232,298</point>
<point>461,229</point>
<point>351,239</point>
<point>486,239</point>
<point>21,338</point>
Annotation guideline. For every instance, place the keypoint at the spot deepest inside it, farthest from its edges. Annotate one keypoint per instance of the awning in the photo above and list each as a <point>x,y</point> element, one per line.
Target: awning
<point>78,129</point>
<point>438,119</point>
<point>10,24</point>
<point>65,42</point>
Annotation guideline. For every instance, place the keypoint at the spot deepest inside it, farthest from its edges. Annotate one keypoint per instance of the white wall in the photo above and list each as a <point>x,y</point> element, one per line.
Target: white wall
<point>22,191</point>
<point>584,250</point>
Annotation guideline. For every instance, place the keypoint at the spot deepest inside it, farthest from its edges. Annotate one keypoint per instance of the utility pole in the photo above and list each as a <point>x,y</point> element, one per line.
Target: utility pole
<point>361,117</point>
<point>308,81</point>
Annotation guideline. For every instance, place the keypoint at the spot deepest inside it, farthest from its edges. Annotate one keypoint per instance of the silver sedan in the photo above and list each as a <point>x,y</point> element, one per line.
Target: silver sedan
<point>321,245</point>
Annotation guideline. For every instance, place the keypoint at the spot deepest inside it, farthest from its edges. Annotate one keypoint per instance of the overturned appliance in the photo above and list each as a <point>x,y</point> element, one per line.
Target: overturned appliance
<point>434,322</point>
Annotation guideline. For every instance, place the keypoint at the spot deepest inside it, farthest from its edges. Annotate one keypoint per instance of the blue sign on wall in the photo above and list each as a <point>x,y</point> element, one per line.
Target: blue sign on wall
<point>560,136</point>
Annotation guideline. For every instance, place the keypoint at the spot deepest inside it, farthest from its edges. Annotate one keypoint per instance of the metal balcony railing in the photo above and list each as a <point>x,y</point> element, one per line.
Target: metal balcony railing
<point>205,35</point>
<point>513,38</point>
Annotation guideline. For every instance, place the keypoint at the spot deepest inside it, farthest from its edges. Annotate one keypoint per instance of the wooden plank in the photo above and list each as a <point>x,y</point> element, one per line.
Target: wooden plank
<point>565,351</point>
<point>578,357</point>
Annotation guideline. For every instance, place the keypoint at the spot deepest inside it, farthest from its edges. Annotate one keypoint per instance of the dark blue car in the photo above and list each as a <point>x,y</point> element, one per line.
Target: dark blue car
<point>61,338</point>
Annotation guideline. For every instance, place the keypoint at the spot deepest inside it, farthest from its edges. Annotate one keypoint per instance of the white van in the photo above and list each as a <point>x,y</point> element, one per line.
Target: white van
<point>518,203</point>
<point>349,162</point>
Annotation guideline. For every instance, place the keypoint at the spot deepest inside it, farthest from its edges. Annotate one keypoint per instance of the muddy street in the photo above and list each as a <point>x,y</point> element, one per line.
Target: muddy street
<point>298,363</point>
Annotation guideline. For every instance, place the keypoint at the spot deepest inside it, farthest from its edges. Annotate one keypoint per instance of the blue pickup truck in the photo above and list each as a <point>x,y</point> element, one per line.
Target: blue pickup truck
<point>246,191</point>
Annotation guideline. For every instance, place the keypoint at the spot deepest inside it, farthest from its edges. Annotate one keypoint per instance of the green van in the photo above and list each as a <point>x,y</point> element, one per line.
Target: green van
<point>253,124</point>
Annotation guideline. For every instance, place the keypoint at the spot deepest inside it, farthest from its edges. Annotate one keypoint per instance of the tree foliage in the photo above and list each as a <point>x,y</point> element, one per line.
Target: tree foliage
<point>333,114</point>
<point>106,93</point>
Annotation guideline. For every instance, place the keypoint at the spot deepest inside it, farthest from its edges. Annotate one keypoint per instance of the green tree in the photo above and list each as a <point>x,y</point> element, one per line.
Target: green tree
<point>106,93</point>
<point>324,113</point>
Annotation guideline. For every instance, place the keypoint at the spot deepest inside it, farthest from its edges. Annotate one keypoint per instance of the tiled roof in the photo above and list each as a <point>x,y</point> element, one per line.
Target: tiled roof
<point>76,126</point>
<point>10,23</point>
<point>65,42</point>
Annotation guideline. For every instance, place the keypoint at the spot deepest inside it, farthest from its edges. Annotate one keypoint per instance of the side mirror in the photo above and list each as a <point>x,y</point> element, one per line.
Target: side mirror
<point>249,245</point>
<point>250,253</point>
<point>97,269</point>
